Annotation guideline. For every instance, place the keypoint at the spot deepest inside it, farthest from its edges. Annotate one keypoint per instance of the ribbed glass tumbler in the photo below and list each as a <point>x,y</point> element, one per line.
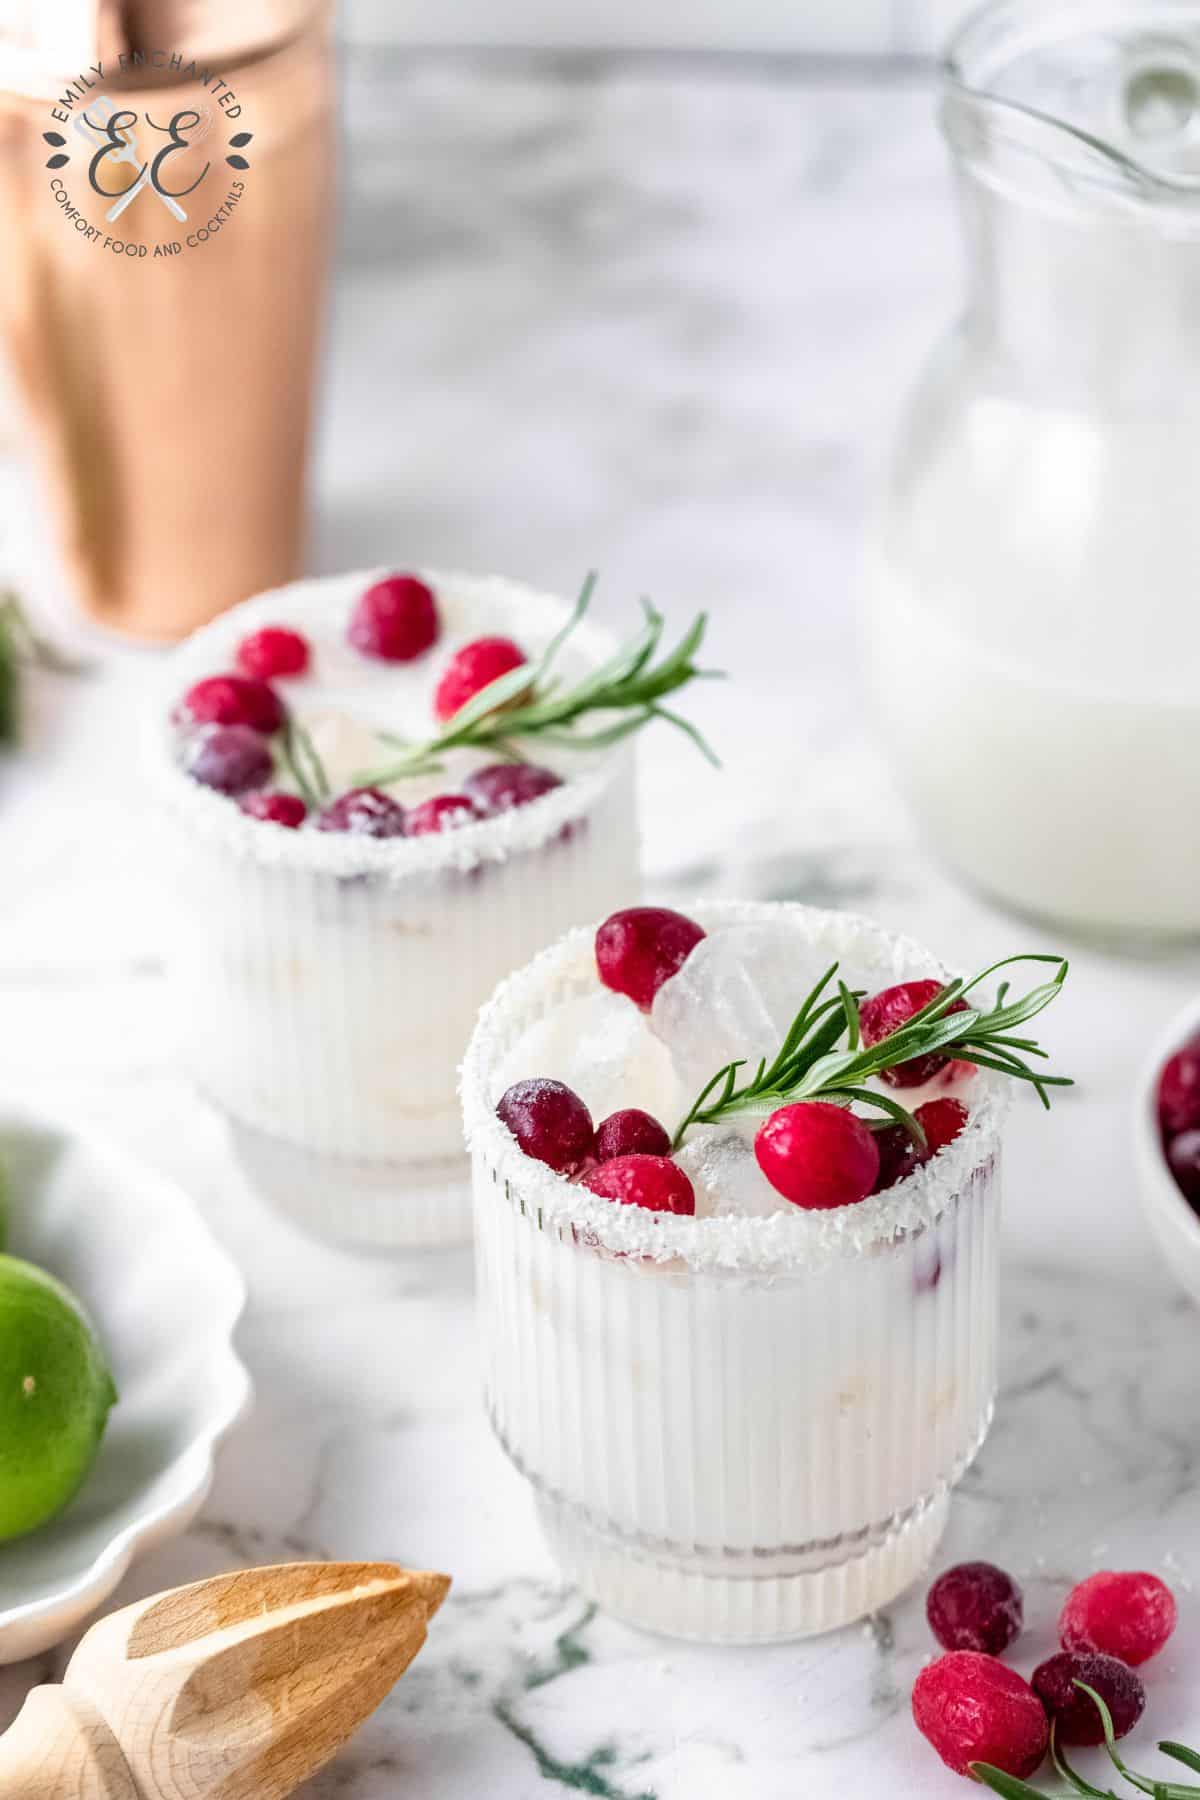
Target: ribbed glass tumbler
<point>737,1429</point>
<point>326,984</point>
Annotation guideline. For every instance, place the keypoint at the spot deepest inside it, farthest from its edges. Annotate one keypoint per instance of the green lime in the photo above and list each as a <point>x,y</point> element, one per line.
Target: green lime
<point>55,1395</point>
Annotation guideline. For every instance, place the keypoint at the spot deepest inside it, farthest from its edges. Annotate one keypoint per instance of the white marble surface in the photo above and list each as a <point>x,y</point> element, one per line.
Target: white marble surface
<point>656,318</point>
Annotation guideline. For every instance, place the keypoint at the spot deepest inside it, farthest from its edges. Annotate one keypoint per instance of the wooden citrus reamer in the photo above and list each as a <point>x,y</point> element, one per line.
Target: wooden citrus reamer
<point>236,1688</point>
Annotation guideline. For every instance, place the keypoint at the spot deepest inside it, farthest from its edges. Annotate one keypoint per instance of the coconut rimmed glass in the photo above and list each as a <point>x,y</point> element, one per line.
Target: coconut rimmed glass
<point>325,985</point>
<point>737,1430</point>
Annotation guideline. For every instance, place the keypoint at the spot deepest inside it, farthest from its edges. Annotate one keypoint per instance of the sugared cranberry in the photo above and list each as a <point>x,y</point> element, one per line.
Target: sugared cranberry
<point>274,650</point>
<point>549,1121</point>
<point>630,1133</point>
<point>1076,1716</point>
<point>365,812</point>
<point>817,1155</point>
<point>899,1155</point>
<point>501,786</point>
<point>232,700</point>
<point>473,668</point>
<point>886,1012</point>
<point>640,948</point>
<point>395,620</point>
<point>975,1709</point>
<point>1179,1091</point>
<point>941,1121</point>
<point>1127,1614</point>
<point>445,812</point>
<point>654,1182</point>
<point>276,809</point>
<point>229,758</point>
<point>975,1606</point>
<point>1183,1160</point>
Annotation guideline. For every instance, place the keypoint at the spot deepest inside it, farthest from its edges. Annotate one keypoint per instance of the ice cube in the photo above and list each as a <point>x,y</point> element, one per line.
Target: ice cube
<point>600,1045</point>
<point>735,997</point>
<point>347,748</point>
<point>720,1162</point>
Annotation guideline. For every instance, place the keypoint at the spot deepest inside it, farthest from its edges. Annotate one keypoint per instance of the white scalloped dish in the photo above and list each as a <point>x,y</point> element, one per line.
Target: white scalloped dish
<point>164,1299</point>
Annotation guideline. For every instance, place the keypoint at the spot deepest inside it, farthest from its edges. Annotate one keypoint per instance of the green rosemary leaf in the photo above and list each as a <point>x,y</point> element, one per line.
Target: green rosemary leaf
<point>1158,1789</point>
<point>689,730</point>
<point>1058,1757</point>
<point>898,1114</point>
<point>1010,1787</point>
<point>1180,1753</point>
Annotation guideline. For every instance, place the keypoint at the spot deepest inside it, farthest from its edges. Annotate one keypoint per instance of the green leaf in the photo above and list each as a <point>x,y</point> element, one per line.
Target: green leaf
<point>1181,1753</point>
<point>1009,1786</point>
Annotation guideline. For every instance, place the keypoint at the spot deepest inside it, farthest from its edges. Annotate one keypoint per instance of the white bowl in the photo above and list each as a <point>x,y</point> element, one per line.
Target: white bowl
<point>1174,1225</point>
<point>164,1298</point>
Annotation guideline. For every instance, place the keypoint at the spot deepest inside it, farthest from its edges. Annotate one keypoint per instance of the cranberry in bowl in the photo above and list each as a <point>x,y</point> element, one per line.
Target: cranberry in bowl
<point>342,894</point>
<point>1166,1136</point>
<point>741,1376</point>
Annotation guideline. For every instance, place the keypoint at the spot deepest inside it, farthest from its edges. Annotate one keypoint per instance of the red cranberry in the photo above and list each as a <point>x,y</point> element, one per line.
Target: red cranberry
<point>654,1182</point>
<point>229,758</point>
<point>364,812</point>
<point>1183,1160</point>
<point>975,1709</point>
<point>1179,1091</point>
<point>445,812</point>
<point>975,1606</point>
<point>549,1121</point>
<point>276,809</point>
<point>899,1155</point>
<point>1125,1614</point>
<point>941,1121</point>
<point>640,948</point>
<point>817,1155</point>
<point>471,669</point>
<point>1076,1716</point>
<point>395,620</point>
<point>886,1012</point>
<point>501,786</point>
<point>630,1133</point>
<point>232,700</point>
<point>272,651</point>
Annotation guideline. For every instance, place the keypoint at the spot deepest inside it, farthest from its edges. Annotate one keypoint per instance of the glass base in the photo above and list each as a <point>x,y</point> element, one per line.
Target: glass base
<point>356,1202</point>
<point>695,1598</point>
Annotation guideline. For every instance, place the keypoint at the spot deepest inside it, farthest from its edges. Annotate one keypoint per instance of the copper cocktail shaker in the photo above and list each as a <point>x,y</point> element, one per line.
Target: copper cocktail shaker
<point>166,182</point>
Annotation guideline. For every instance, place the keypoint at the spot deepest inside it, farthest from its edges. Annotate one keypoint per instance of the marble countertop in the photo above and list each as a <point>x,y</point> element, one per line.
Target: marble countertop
<point>657,317</point>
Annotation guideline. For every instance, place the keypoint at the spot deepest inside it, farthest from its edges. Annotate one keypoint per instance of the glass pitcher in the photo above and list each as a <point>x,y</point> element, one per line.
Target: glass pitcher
<point>1032,614</point>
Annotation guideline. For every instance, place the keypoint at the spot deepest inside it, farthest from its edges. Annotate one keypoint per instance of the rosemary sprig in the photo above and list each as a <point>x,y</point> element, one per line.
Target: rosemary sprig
<point>813,1063</point>
<point>532,702</point>
<point>298,756</point>
<point>1012,1788</point>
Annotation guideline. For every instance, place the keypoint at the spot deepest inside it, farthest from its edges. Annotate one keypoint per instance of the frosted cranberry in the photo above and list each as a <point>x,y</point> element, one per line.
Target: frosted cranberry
<point>899,1155</point>
<point>630,1133</point>
<point>473,668</point>
<point>364,812</point>
<point>501,786</point>
<point>1076,1716</point>
<point>654,1182</point>
<point>445,812</point>
<point>275,650</point>
<point>1183,1160</point>
<point>396,620</point>
<point>975,1709</point>
<point>1125,1614</point>
<point>817,1155</point>
<point>640,948</point>
<point>1179,1091</point>
<point>276,809</point>
<point>886,1012</point>
<point>232,700</point>
<point>549,1121</point>
<point>229,758</point>
<point>975,1606</point>
<point>941,1121</point>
